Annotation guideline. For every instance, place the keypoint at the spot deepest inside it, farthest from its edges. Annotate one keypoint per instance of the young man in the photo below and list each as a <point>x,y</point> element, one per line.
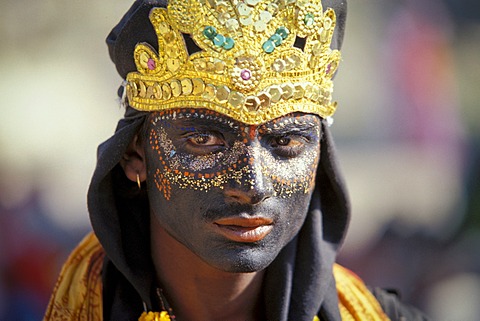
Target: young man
<point>218,197</point>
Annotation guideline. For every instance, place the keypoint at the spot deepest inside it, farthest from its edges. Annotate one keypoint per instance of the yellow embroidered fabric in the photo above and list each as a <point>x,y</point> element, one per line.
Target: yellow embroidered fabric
<point>154,316</point>
<point>247,69</point>
<point>78,293</point>
<point>355,300</point>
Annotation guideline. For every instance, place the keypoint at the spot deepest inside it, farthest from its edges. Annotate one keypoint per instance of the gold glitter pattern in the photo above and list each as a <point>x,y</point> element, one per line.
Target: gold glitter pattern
<point>356,303</point>
<point>247,53</point>
<point>78,292</point>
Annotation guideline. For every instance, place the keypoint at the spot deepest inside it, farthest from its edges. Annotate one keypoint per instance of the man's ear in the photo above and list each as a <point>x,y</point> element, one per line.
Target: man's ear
<point>133,161</point>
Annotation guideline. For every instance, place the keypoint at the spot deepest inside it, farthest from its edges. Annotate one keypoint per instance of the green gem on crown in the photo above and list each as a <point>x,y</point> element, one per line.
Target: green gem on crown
<point>229,43</point>
<point>277,39</point>
<point>210,32</point>
<point>309,19</point>
<point>268,46</point>
<point>218,40</point>
<point>283,32</point>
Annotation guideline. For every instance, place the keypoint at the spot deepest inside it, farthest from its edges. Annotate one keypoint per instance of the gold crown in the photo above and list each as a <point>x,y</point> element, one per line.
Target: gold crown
<point>248,67</point>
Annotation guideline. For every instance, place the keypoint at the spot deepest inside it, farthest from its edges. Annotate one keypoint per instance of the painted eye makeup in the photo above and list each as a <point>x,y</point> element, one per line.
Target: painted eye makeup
<point>203,142</point>
<point>202,150</point>
<point>288,146</point>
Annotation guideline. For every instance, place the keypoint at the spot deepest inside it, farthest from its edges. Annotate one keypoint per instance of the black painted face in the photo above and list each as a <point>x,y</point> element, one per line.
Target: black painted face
<point>233,194</point>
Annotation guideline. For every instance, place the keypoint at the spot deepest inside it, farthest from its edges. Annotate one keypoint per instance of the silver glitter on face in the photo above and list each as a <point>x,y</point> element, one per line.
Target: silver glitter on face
<point>294,174</point>
<point>239,161</point>
<point>200,172</point>
<point>213,160</point>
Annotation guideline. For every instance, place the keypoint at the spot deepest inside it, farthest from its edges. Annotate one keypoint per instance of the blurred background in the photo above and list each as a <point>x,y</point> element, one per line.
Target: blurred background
<point>407,130</point>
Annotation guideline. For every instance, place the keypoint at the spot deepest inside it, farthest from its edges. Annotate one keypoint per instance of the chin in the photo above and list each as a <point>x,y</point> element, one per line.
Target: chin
<point>246,261</point>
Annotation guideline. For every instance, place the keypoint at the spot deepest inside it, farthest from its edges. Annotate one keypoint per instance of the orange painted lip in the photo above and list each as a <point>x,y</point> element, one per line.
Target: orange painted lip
<point>245,230</point>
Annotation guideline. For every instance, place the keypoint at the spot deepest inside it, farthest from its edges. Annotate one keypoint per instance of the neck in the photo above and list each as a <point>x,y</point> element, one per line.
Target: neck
<point>196,290</point>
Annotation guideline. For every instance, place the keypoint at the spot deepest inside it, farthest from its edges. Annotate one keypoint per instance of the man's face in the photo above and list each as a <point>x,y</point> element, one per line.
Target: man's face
<point>233,194</point>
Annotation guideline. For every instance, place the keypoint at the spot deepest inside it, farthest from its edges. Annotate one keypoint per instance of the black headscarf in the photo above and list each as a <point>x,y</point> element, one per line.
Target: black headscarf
<point>298,284</point>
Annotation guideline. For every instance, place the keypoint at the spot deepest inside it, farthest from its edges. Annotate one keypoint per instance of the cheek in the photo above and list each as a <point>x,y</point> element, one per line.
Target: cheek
<point>294,211</point>
<point>293,176</point>
<point>157,161</point>
<point>181,215</point>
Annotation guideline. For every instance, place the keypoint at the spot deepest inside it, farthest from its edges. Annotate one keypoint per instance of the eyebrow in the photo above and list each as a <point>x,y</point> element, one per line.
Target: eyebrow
<point>197,123</point>
<point>288,128</point>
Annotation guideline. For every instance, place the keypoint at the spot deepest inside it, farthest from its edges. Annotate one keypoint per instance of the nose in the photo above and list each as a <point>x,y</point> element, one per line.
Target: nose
<point>256,193</point>
<point>255,186</point>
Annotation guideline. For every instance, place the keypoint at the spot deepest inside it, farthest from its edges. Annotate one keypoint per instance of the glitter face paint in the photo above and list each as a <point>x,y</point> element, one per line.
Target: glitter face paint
<point>230,162</point>
<point>232,193</point>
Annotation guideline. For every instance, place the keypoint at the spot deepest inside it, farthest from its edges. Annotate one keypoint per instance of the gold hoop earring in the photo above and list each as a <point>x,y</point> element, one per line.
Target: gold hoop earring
<point>138,182</point>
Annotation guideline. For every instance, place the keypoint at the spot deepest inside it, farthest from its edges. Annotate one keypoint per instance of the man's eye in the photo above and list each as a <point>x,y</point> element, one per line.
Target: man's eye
<point>205,140</point>
<point>288,141</point>
<point>286,146</point>
<point>283,141</point>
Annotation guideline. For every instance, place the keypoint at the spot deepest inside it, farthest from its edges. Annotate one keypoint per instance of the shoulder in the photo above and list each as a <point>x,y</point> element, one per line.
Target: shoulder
<point>78,292</point>
<point>357,302</point>
<point>395,308</point>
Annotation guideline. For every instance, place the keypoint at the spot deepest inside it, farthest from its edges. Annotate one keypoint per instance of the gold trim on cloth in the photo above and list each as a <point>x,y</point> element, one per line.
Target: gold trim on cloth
<point>356,303</point>
<point>78,292</point>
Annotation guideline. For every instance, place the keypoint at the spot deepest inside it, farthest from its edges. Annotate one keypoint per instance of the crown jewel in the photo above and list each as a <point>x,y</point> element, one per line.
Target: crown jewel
<point>248,67</point>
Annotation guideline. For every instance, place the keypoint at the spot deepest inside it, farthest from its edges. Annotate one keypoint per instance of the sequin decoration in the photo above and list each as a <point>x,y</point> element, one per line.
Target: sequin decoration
<point>308,19</point>
<point>246,74</point>
<point>247,69</point>
<point>217,39</point>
